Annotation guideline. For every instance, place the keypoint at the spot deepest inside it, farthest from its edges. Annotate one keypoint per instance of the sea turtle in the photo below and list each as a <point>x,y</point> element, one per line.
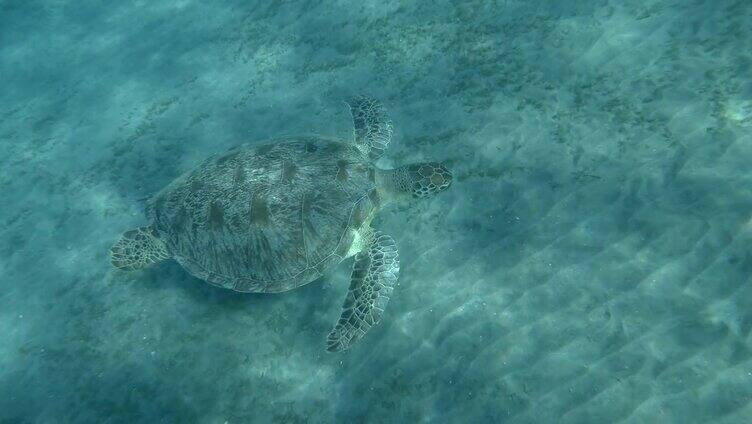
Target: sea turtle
<point>269,217</point>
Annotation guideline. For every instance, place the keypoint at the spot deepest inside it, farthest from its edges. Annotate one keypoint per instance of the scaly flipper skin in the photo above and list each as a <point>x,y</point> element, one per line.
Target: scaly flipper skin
<point>373,128</point>
<point>374,274</point>
<point>138,249</point>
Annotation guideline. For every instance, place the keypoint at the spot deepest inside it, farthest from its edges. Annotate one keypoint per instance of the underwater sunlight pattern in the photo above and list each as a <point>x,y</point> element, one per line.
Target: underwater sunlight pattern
<point>583,253</point>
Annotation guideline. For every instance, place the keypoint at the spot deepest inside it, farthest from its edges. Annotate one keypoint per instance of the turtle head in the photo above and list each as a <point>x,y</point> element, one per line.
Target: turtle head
<point>417,180</point>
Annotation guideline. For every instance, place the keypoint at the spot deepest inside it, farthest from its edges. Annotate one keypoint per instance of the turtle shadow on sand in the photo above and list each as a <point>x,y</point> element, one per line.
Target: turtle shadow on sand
<point>309,300</point>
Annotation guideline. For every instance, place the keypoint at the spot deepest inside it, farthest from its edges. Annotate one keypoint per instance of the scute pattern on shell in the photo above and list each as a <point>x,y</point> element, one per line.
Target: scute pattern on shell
<point>266,217</point>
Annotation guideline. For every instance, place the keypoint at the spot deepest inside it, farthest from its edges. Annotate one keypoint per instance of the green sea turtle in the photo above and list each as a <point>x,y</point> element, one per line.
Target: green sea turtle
<point>269,217</point>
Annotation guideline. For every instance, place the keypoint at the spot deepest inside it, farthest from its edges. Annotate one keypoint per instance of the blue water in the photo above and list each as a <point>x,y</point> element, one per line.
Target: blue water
<point>590,264</point>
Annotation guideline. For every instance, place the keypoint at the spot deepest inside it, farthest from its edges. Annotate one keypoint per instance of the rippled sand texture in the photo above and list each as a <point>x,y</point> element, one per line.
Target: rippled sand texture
<point>591,263</point>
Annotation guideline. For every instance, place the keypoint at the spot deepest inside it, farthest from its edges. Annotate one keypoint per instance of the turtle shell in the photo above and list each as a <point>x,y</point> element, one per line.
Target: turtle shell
<point>267,217</point>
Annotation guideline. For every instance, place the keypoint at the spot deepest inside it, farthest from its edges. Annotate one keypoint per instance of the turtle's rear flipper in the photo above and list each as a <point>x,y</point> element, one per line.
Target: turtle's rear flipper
<point>137,249</point>
<point>374,273</point>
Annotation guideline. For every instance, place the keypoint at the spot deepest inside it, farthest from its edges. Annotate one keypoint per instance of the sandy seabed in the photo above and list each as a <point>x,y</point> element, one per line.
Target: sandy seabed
<point>590,264</point>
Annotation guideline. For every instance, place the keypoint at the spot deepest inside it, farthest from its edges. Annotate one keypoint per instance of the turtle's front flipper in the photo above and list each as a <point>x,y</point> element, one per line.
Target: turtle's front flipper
<point>137,249</point>
<point>374,273</point>
<point>373,128</point>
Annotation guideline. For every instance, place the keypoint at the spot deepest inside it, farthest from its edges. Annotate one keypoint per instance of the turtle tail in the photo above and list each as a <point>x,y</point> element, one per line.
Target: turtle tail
<point>138,249</point>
